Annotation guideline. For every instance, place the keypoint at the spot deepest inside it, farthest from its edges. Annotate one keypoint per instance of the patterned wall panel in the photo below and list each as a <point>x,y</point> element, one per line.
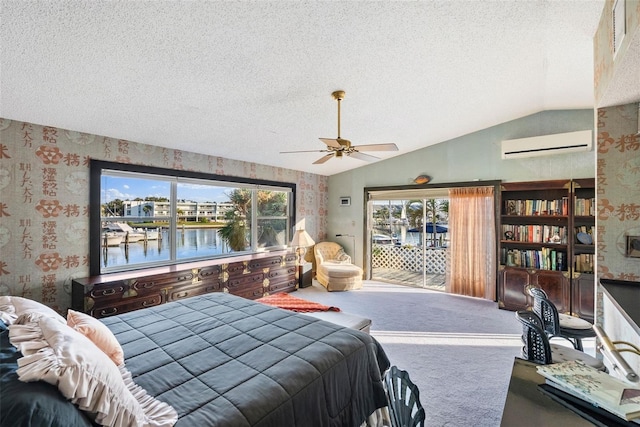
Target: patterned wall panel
<point>604,60</point>
<point>44,196</point>
<point>618,191</point>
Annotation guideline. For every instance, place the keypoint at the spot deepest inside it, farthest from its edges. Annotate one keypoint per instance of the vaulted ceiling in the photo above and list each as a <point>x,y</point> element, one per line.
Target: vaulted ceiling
<point>247,80</point>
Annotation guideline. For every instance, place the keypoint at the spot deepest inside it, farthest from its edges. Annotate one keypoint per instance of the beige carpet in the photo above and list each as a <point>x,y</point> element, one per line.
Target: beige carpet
<point>458,350</point>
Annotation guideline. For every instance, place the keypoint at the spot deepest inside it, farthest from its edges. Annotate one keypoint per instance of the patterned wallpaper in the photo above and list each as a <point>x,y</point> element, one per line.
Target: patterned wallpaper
<point>604,61</point>
<point>44,196</point>
<point>618,188</point>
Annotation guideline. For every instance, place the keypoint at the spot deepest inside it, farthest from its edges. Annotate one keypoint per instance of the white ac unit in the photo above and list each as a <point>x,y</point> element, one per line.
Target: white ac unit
<point>545,145</point>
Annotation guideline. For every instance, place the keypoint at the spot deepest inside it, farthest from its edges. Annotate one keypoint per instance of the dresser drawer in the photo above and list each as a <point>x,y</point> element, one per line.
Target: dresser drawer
<point>125,306</point>
<point>250,293</point>
<point>291,259</point>
<point>235,269</point>
<point>278,273</point>
<point>256,264</point>
<point>208,273</point>
<point>244,281</point>
<point>181,292</point>
<point>147,283</point>
<point>283,285</point>
<point>109,290</point>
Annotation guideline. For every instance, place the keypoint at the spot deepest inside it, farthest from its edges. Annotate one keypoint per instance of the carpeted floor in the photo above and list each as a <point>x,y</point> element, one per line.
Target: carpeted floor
<point>458,350</point>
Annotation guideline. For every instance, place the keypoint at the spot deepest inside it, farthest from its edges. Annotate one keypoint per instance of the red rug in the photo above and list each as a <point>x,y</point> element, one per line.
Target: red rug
<point>288,302</point>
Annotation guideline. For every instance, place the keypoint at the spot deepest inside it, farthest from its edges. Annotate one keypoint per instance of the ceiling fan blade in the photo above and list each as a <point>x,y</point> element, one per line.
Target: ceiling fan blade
<point>377,147</point>
<point>304,151</point>
<point>362,156</point>
<point>331,142</point>
<point>323,159</point>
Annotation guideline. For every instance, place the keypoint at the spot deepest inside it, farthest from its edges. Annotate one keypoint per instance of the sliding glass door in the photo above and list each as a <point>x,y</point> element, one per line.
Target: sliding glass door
<point>417,237</point>
<point>408,238</point>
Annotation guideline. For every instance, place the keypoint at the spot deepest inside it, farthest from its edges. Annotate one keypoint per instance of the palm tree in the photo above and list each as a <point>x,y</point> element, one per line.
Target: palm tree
<point>437,210</point>
<point>234,232</point>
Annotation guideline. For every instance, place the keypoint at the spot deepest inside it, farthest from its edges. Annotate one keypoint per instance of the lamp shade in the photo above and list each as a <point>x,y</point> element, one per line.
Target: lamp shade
<point>301,239</point>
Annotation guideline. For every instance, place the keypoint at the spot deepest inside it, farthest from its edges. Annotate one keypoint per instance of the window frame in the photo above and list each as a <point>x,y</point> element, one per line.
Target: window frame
<point>98,167</point>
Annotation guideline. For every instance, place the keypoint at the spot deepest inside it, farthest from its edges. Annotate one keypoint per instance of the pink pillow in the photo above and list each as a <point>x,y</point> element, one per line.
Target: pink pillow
<point>98,333</point>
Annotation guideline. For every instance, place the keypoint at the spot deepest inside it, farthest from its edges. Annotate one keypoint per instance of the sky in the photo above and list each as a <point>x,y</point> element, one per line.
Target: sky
<point>127,188</point>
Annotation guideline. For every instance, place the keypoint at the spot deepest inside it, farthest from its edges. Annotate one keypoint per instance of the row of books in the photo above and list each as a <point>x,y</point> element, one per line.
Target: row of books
<point>584,207</point>
<point>535,233</point>
<point>597,388</point>
<point>536,207</point>
<point>543,259</point>
<point>583,263</point>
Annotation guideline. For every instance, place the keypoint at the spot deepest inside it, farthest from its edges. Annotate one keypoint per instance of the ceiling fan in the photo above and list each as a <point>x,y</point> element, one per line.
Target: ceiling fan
<point>339,147</point>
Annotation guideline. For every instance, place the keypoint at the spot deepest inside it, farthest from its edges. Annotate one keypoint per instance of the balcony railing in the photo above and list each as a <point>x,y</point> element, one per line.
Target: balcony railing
<point>409,258</point>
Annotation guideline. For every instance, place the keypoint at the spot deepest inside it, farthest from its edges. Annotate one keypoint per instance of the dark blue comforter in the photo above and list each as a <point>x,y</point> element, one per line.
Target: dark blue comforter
<point>222,360</point>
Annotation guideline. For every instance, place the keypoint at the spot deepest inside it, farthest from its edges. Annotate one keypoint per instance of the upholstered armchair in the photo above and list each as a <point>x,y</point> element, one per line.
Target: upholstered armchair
<point>334,269</point>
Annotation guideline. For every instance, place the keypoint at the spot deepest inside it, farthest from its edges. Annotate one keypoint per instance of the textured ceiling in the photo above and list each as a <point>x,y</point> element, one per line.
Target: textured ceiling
<point>246,80</point>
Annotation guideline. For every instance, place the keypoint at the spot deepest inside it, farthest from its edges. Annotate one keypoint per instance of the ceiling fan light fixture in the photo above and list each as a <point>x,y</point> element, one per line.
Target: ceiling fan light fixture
<point>344,142</point>
<point>338,147</point>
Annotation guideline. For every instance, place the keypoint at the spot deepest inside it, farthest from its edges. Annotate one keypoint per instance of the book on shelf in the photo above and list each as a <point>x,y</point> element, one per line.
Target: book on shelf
<point>536,233</point>
<point>531,207</point>
<point>583,263</point>
<point>584,207</point>
<point>545,259</point>
<point>596,387</point>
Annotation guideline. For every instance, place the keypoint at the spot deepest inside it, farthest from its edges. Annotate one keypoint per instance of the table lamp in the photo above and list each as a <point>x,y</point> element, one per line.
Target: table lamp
<point>301,241</point>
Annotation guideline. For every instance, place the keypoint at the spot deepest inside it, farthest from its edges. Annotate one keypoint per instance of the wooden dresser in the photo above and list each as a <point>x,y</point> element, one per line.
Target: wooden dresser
<point>251,276</point>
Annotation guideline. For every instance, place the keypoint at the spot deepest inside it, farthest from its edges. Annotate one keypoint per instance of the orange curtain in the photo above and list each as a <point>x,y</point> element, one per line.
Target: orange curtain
<point>471,267</point>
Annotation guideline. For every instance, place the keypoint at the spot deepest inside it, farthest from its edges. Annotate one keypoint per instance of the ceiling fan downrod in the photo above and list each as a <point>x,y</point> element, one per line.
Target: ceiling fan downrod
<point>338,95</point>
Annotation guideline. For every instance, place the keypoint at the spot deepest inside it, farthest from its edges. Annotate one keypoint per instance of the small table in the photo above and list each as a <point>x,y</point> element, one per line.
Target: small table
<point>527,406</point>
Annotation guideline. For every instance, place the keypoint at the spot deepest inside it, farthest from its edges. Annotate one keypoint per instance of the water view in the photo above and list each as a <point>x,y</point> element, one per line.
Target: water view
<point>402,234</point>
<point>191,243</point>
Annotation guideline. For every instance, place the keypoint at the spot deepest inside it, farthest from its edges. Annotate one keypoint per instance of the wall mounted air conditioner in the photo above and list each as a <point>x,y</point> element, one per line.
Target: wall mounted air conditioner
<point>545,145</point>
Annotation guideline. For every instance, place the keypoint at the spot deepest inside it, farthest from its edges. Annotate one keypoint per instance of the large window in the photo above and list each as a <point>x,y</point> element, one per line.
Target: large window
<point>143,216</point>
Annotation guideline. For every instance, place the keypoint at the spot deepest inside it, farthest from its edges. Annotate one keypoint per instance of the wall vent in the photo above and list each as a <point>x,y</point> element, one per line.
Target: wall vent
<point>546,145</point>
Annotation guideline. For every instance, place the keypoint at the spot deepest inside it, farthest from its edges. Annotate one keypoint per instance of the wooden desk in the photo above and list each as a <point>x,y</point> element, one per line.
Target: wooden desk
<point>525,405</point>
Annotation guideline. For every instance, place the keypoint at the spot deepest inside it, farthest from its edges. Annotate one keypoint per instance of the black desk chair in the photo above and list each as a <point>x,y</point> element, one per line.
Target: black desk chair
<point>558,324</point>
<point>538,349</point>
<point>404,399</point>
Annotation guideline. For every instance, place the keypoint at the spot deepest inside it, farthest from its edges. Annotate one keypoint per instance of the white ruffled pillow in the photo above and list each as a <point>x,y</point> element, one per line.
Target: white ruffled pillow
<point>55,353</point>
<point>12,307</point>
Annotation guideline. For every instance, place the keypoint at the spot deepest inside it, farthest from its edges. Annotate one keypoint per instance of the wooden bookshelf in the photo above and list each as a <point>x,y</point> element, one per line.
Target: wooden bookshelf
<point>547,239</point>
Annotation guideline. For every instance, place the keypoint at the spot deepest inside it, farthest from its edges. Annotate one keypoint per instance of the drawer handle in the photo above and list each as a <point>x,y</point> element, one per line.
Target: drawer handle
<point>147,303</point>
<point>182,295</point>
<point>112,291</point>
<point>109,312</point>
<point>148,285</point>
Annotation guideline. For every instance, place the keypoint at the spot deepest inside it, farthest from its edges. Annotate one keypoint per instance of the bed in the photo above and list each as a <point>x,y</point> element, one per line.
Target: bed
<point>222,360</point>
